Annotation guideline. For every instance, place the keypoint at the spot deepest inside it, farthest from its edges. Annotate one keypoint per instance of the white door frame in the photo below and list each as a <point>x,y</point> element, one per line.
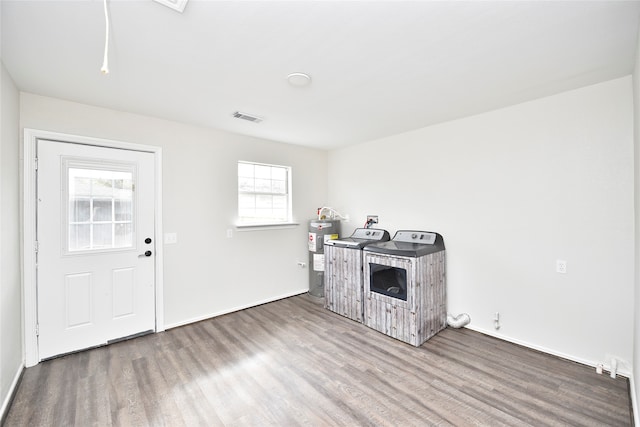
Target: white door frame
<point>30,301</point>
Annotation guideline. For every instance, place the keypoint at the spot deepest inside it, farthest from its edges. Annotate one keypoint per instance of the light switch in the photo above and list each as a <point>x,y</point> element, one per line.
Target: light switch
<point>170,238</point>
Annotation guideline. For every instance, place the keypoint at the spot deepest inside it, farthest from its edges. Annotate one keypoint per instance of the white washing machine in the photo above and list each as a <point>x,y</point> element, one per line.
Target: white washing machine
<point>343,287</point>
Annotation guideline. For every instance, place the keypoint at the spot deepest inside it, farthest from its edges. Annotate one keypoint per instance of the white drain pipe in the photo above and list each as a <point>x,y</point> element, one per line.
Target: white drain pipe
<point>458,321</point>
<point>614,368</point>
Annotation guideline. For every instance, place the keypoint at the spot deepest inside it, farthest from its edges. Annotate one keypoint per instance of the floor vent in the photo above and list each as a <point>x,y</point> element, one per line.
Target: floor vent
<point>243,116</point>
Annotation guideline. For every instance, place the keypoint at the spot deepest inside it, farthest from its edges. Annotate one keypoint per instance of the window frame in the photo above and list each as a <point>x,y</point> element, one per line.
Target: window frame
<point>264,222</point>
<point>70,162</point>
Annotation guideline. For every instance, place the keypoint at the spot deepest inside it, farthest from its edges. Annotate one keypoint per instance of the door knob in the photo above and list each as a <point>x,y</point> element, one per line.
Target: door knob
<point>147,240</point>
<point>146,253</point>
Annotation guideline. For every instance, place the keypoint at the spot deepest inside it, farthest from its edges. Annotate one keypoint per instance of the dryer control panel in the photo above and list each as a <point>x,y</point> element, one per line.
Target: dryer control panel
<point>422,237</point>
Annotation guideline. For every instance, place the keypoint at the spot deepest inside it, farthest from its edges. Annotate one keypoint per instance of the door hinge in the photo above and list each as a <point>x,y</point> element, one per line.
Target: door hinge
<point>36,246</point>
<point>36,163</point>
<point>37,329</point>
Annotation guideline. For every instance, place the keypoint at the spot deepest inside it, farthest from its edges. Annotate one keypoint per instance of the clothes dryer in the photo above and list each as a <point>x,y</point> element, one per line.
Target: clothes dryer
<point>404,286</point>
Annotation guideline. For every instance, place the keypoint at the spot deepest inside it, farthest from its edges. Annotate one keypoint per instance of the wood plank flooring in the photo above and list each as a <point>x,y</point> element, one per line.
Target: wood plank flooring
<point>294,363</point>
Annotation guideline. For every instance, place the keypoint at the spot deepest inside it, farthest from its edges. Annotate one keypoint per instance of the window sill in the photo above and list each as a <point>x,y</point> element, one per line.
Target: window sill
<point>260,227</point>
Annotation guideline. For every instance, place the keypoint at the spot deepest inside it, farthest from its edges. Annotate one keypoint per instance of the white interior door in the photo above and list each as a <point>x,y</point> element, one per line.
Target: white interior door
<point>95,232</point>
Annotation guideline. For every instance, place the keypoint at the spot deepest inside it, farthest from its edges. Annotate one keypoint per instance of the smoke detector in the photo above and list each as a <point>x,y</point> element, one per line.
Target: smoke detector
<point>177,5</point>
<point>248,117</point>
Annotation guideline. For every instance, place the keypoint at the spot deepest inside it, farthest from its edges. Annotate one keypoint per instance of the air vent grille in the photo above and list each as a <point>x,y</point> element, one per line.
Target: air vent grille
<point>249,117</point>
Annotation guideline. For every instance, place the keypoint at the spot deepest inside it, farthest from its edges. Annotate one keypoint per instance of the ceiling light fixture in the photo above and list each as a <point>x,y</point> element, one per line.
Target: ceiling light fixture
<point>105,61</point>
<point>177,5</point>
<point>299,79</point>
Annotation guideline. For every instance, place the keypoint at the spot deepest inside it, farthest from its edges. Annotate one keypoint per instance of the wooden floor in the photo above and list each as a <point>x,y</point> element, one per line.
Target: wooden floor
<point>292,362</point>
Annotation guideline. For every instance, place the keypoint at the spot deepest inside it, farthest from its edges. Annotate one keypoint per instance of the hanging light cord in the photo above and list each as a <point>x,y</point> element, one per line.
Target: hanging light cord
<point>105,62</point>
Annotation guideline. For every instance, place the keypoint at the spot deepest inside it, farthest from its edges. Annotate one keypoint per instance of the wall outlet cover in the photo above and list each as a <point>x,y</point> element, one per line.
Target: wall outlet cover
<point>561,266</point>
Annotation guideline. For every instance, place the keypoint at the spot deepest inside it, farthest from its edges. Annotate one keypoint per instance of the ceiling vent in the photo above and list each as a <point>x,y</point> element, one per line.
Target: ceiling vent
<point>174,4</point>
<point>243,116</point>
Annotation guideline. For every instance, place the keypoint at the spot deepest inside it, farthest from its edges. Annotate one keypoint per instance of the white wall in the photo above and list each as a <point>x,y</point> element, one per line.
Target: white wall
<point>206,273</point>
<point>512,191</point>
<point>10,278</point>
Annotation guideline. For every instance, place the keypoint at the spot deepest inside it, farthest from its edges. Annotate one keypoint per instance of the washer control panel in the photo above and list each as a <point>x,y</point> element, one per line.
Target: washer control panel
<point>368,234</point>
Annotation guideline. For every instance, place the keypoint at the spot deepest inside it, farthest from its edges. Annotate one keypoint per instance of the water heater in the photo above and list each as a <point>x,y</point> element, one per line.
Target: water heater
<point>320,230</point>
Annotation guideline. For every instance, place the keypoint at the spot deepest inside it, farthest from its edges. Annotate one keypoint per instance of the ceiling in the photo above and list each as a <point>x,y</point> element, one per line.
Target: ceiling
<point>378,68</point>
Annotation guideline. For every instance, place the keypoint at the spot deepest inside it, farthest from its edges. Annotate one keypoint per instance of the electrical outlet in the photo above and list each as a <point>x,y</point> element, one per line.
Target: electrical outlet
<point>561,266</point>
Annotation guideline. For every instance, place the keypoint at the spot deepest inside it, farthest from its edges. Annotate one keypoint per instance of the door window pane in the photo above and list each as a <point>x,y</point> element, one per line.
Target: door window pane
<point>80,236</point>
<point>122,237</point>
<point>102,236</point>
<point>101,208</point>
<point>101,187</point>
<point>79,210</point>
<point>81,186</point>
<point>123,210</point>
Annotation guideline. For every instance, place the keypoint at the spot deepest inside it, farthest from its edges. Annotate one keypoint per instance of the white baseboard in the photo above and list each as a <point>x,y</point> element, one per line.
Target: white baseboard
<point>12,389</point>
<point>231,310</point>
<point>622,370</point>
<point>634,399</point>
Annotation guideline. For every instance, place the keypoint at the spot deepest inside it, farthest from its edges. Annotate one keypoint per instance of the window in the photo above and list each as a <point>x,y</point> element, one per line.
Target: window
<point>100,208</point>
<point>264,194</point>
